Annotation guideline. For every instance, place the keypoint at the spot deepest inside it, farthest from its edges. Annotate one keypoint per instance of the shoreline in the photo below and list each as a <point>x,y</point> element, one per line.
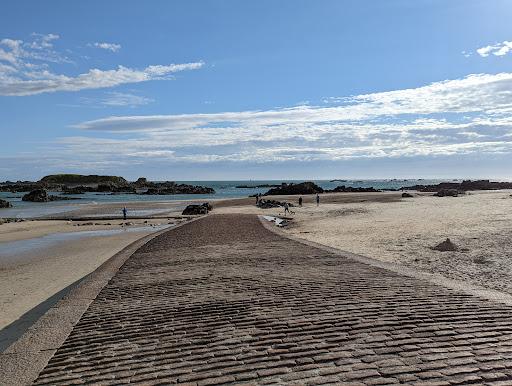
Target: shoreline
<point>383,226</point>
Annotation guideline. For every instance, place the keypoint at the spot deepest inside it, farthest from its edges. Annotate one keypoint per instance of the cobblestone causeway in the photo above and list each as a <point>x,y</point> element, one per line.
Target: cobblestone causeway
<point>223,300</point>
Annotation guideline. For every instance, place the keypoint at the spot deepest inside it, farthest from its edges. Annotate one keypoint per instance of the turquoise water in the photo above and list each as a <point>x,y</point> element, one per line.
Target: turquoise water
<point>223,189</point>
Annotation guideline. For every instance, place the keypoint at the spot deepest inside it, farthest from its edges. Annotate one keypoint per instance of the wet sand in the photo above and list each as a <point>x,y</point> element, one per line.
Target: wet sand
<point>40,258</point>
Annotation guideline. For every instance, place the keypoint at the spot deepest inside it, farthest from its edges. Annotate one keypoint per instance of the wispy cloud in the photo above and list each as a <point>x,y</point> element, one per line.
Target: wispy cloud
<point>498,49</point>
<point>117,99</point>
<point>25,70</point>
<point>460,116</point>
<point>107,46</point>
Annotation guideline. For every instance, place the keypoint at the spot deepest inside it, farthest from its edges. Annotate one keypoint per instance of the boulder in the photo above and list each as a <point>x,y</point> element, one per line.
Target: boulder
<point>406,195</point>
<point>448,193</point>
<point>445,246</point>
<point>38,195</point>
<point>5,204</point>
<point>267,204</point>
<point>289,189</point>
<point>197,209</point>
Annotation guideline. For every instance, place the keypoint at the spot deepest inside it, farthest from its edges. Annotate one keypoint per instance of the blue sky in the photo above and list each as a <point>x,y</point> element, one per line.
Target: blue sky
<point>236,89</point>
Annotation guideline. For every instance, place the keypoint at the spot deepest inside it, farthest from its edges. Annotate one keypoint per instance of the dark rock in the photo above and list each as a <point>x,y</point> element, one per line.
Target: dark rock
<point>172,188</point>
<point>38,195</point>
<point>41,195</point>
<point>448,193</point>
<point>289,189</point>
<point>77,189</point>
<point>445,246</point>
<point>267,204</point>
<point>407,195</point>
<point>350,189</point>
<point>197,209</point>
<point>461,186</point>
<point>5,204</point>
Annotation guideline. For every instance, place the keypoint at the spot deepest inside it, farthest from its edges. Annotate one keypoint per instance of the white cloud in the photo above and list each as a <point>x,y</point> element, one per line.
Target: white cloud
<point>24,70</point>
<point>37,82</point>
<point>460,116</point>
<point>498,49</point>
<point>117,99</point>
<point>107,46</point>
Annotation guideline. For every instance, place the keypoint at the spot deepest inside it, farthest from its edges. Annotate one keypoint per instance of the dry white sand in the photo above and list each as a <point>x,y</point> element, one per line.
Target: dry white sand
<point>404,230</point>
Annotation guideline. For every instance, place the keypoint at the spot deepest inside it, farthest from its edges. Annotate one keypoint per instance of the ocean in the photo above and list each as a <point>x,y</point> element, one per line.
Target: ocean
<point>223,190</point>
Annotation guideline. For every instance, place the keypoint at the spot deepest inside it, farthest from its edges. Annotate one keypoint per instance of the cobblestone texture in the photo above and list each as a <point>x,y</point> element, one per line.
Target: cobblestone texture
<point>225,301</point>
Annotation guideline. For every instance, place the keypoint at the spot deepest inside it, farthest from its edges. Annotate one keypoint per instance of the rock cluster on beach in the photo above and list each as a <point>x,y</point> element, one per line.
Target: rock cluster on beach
<point>309,187</point>
<point>197,209</point>
<point>173,188</point>
<point>449,193</point>
<point>267,204</point>
<point>289,189</point>
<point>350,189</point>
<point>70,184</point>
<point>461,186</point>
<point>5,204</point>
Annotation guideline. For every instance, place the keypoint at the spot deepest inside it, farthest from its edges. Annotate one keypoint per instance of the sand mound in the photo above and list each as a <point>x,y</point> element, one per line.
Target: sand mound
<point>445,246</point>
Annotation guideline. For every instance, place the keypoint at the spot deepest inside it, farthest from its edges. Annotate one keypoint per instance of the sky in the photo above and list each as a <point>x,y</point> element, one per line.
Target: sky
<point>230,90</point>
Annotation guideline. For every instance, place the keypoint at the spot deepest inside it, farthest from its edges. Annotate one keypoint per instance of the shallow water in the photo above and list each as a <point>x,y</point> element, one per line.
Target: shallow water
<point>13,249</point>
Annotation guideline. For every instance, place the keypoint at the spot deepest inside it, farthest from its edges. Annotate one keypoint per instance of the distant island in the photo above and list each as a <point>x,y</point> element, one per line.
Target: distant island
<point>75,184</point>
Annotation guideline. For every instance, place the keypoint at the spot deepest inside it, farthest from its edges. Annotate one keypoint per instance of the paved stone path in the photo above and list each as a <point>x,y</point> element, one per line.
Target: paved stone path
<point>224,300</point>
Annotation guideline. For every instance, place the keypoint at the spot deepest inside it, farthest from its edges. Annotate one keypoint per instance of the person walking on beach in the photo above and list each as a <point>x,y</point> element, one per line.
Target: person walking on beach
<point>317,199</point>
<point>124,213</point>
<point>257,199</point>
<point>286,208</point>
<point>300,201</point>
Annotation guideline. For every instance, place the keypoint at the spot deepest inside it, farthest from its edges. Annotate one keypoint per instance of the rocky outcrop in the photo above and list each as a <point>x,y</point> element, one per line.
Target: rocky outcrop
<point>290,189</point>
<point>350,189</point>
<point>448,193</point>
<point>41,195</point>
<point>172,188</point>
<point>197,209</point>
<point>77,189</point>
<point>267,204</point>
<point>5,204</point>
<point>461,186</point>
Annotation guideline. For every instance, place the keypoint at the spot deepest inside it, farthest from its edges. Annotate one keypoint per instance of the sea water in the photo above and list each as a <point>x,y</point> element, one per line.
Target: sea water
<point>223,190</point>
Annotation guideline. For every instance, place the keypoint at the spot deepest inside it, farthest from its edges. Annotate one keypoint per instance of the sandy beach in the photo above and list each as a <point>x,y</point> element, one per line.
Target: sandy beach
<point>387,227</point>
<point>383,226</point>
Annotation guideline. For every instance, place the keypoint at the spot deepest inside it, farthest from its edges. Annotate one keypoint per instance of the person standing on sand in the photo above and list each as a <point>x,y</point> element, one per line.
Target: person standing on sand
<point>317,199</point>
<point>257,199</point>
<point>124,213</point>
<point>286,208</point>
<point>300,201</point>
